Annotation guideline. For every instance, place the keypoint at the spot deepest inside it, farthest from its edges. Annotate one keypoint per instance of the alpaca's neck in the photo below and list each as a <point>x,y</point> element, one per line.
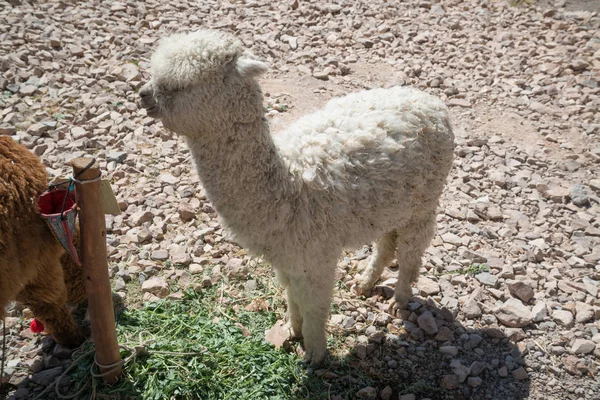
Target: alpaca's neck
<point>244,175</point>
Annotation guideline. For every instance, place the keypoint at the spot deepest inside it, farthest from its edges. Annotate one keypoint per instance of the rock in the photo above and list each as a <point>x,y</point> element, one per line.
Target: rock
<point>426,322</point>
<point>278,335</point>
<point>514,314</point>
<point>168,178</point>
<point>563,317</point>
<point>449,350</point>
<point>195,269</point>
<point>407,397</point>
<point>47,377</point>
<point>460,371</point>
<point>487,279</point>
<point>179,255</point>
<point>459,103</point>
<point>474,382</point>
<point>79,133</point>
<point>186,212</point>
<point>427,287</point>
<point>539,311</point>
<point>116,156</point>
<point>582,346</point>
<point>521,290</point>
<point>471,309</point>
<point>156,286</point>
<point>583,312</point>
<point>520,374</point>
<point>138,218</point>
<point>322,75</point>
<point>386,393</point>
<point>477,367</point>
<point>8,130</point>
<point>503,372</point>
<point>369,393</point>
<point>574,365</point>
<point>579,195</point>
<point>160,255</point>
<point>451,238</point>
<point>579,65</point>
<point>449,382</point>
<point>235,268</point>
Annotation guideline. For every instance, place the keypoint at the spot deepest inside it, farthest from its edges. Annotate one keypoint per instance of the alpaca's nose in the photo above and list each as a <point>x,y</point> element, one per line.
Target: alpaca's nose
<point>148,102</point>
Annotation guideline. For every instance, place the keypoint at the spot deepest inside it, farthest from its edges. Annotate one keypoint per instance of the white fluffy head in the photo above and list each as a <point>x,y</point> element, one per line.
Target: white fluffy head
<point>186,59</point>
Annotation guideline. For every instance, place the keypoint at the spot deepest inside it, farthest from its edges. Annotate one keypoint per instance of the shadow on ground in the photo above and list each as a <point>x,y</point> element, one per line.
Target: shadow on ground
<point>457,362</point>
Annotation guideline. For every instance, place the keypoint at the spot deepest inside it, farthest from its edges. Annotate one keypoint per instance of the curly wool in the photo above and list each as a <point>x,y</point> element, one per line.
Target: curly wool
<point>370,165</point>
<point>33,266</point>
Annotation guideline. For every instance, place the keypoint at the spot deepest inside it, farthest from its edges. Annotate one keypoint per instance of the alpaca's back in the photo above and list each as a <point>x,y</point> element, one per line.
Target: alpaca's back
<point>378,155</point>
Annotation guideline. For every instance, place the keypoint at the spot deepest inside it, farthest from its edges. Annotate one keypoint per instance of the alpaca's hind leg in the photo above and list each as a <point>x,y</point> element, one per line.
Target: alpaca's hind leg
<point>47,297</point>
<point>413,240</point>
<point>313,296</point>
<point>383,254</point>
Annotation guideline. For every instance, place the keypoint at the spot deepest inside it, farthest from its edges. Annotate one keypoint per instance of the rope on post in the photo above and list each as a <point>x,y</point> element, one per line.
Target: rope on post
<point>88,189</point>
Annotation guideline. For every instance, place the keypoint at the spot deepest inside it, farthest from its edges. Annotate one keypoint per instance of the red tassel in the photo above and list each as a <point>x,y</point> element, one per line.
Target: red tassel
<point>36,326</point>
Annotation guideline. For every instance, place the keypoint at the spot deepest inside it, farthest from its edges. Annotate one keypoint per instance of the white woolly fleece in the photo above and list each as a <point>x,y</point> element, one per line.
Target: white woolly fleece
<point>370,165</point>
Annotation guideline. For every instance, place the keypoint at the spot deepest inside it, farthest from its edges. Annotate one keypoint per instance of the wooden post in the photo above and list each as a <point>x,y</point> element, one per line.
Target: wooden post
<point>95,266</point>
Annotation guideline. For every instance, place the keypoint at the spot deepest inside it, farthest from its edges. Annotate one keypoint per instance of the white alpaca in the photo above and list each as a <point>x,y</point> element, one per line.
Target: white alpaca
<point>368,166</point>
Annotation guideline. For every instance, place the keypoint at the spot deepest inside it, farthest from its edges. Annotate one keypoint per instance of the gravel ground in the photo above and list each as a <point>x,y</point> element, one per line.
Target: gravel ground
<point>508,305</point>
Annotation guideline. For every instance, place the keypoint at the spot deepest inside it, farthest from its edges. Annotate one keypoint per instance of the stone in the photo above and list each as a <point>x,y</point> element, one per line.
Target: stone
<point>521,290</point>
<point>47,377</point>
<point>539,311</point>
<point>487,279</point>
<point>426,322</point>
<point>138,218</point>
<point>582,346</point>
<point>179,255</point>
<point>459,103</point>
<point>449,381</point>
<point>520,374</point>
<point>160,255</point>
<point>195,269</point>
<point>235,268</point>
<point>583,312</point>
<point>474,381</point>
<point>368,393</point>
<point>386,393</point>
<point>563,317</point>
<point>156,286</point>
<point>514,314</point>
<point>471,309</point>
<point>168,178</point>
<point>579,195</point>
<point>449,350</point>
<point>186,212</point>
<point>427,286</point>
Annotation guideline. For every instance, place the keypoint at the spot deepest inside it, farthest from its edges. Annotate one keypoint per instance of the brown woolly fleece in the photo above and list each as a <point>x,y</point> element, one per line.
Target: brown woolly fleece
<point>33,264</point>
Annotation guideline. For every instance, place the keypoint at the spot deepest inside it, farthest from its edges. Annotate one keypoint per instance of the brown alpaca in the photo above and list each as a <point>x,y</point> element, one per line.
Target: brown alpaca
<point>30,257</point>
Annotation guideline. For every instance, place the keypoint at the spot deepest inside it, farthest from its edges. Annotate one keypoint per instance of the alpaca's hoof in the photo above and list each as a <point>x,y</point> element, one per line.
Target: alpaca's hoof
<point>401,301</point>
<point>315,356</point>
<point>148,102</point>
<point>363,289</point>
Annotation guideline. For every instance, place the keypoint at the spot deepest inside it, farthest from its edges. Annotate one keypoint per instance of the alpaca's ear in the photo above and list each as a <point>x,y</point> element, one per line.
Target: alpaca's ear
<point>249,68</point>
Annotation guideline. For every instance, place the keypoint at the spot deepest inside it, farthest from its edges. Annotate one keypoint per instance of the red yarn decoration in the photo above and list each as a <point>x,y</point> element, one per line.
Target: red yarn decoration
<point>36,326</point>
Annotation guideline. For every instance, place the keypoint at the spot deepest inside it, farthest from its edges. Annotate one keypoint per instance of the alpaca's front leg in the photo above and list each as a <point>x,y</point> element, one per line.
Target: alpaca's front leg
<point>313,295</point>
<point>295,315</point>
